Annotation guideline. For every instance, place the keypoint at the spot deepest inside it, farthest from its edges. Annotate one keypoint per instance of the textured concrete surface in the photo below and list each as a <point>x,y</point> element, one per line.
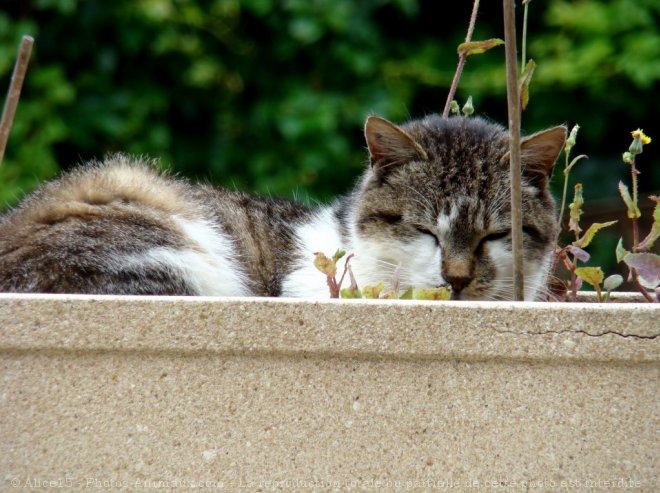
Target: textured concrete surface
<point>168,394</point>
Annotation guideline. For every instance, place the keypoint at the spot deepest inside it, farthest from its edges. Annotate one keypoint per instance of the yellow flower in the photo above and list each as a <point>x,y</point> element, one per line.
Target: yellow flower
<point>639,134</point>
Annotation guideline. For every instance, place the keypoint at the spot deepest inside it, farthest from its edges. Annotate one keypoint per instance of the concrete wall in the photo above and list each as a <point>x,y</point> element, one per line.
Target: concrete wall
<point>272,395</point>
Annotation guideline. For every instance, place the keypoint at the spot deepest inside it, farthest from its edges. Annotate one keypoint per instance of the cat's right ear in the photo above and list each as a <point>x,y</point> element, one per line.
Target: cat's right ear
<point>389,146</point>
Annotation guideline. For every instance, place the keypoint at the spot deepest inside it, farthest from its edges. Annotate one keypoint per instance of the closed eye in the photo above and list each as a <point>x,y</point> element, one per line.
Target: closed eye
<point>531,231</point>
<point>426,231</point>
<point>498,235</point>
<point>535,234</point>
<point>383,217</point>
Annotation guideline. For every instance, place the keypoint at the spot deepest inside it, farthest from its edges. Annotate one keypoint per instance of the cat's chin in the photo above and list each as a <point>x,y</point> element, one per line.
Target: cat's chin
<point>488,295</point>
<point>467,297</point>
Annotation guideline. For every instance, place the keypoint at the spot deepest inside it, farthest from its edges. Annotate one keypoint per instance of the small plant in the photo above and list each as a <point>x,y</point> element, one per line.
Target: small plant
<point>575,252</point>
<point>467,110</point>
<point>643,266</point>
<point>328,266</point>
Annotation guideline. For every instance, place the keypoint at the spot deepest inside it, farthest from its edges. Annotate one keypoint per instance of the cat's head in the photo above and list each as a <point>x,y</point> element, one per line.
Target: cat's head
<point>436,202</point>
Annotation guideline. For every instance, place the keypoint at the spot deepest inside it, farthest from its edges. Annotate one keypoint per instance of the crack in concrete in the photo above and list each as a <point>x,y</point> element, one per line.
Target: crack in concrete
<point>584,332</point>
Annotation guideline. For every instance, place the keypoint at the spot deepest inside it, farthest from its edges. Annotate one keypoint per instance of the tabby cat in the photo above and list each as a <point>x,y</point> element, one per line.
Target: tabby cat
<point>433,204</point>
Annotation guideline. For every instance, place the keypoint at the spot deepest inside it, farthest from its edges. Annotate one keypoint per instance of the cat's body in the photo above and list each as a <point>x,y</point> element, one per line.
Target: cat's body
<point>434,205</point>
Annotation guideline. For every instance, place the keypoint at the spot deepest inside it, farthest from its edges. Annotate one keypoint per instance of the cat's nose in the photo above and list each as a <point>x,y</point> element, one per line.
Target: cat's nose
<point>458,283</point>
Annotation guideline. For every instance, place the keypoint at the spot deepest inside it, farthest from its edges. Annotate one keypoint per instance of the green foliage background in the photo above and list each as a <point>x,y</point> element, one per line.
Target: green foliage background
<point>271,95</point>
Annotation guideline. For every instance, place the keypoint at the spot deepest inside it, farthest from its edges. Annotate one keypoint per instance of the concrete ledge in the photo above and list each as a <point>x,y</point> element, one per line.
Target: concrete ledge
<point>409,329</point>
<point>273,394</point>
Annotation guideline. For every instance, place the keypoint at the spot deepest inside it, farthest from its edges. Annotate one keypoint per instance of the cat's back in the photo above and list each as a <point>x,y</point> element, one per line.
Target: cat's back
<point>118,226</point>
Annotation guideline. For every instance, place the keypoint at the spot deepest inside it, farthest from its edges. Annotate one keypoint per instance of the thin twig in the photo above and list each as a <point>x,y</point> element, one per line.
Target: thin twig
<point>513,100</point>
<point>461,60</point>
<point>343,275</point>
<point>17,78</point>
<point>523,57</point>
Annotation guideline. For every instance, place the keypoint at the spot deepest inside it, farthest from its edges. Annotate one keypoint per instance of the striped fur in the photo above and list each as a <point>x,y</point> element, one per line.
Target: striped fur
<point>432,207</point>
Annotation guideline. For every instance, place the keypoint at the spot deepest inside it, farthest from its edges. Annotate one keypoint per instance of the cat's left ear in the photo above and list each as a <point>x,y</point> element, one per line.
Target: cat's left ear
<point>389,145</point>
<point>538,154</point>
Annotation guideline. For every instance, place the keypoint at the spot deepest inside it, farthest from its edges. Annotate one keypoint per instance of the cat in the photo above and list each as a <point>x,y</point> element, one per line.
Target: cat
<point>433,205</point>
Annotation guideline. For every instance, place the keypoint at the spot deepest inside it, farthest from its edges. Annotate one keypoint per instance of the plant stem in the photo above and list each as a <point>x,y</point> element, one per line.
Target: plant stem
<point>599,293</point>
<point>635,231</point>
<point>523,57</point>
<point>343,275</point>
<point>638,285</point>
<point>513,100</point>
<point>574,279</point>
<point>332,284</point>
<point>635,226</point>
<point>461,60</point>
<point>14,93</point>
<point>563,196</point>
<point>558,251</point>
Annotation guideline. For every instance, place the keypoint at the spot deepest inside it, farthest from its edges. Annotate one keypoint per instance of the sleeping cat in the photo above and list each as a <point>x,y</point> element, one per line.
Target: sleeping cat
<point>433,204</point>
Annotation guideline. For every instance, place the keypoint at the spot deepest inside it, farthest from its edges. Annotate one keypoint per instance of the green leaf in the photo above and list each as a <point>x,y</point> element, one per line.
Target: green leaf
<point>441,293</point>
<point>350,293</point>
<point>338,254</point>
<point>373,292</point>
<point>620,251</point>
<point>478,47</point>
<point>324,264</point>
<point>588,236</point>
<point>525,79</point>
<point>647,266</point>
<point>576,209</point>
<point>407,294</point>
<point>633,210</point>
<point>590,275</point>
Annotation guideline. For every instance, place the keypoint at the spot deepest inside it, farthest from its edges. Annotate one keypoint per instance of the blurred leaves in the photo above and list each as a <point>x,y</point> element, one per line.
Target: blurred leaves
<point>603,39</point>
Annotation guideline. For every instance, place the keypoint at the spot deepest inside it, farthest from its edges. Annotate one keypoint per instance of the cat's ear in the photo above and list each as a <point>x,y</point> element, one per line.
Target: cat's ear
<point>389,145</point>
<point>538,154</point>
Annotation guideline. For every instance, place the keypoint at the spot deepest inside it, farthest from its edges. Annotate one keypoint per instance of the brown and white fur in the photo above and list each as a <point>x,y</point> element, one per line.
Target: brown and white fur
<point>433,206</point>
